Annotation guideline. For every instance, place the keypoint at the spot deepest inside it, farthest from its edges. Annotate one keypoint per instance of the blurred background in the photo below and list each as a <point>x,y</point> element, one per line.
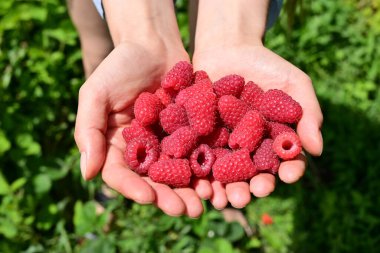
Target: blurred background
<point>46,207</point>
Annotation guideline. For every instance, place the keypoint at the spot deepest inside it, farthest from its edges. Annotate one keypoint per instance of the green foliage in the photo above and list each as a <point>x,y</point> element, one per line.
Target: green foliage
<point>45,207</point>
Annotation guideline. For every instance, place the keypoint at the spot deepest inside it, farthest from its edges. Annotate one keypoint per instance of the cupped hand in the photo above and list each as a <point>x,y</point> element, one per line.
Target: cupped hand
<point>260,65</point>
<point>105,108</point>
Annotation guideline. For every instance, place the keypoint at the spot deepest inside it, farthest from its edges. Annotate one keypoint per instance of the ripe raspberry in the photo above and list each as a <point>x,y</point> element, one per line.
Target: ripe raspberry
<point>287,145</point>
<point>201,112</point>
<point>200,75</point>
<point>231,110</point>
<point>234,167</point>
<point>229,85</point>
<point>166,96</point>
<point>173,172</point>
<point>275,129</point>
<point>201,160</point>
<point>140,154</point>
<point>179,143</point>
<point>265,159</point>
<point>179,77</point>
<point>248,132</point>
<point>250,93</point>
<point>185,94</point>
<point>278,106</point>
<point>220,152</point>
<point>218,138</point>
<point>266,219</point>
<point>164,156</point>
<point>136,130</point>
<point>173,117</point>
<point>147,108</point>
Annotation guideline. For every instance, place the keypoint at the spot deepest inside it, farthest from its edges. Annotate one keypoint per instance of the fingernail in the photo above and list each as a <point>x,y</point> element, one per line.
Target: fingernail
<point>83,164</point>
<point>321,140</point>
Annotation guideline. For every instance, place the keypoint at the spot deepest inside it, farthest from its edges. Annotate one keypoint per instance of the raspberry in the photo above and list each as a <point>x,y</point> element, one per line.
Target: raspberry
<point>275,129</point>
<point>179,77</point>
<point>179,143</point>
<point>229,85</point>
<point>220,152</point>
<point>234,167</point>
<point>201,160</point>
<point>200,75</point>
<point>172,172</point>
<point>164,156</point>
<point>265,159</point>
<point>218,138</point>
<point>185,94</point>
<point>173,117</point>
<point>137,130</point>
<point>287,145</point>
<point>231,110</point>
<point>165,95</point>
<point>248,132</point>
<point>278,106</point>
<point>201,112</point>
<point>250,93</point>
<point>140,154</point>
<point>147,108</point>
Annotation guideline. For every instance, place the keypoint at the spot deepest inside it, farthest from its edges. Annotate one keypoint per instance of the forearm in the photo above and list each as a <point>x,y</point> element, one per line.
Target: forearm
<point>231,22</point>
<point>142,21</point>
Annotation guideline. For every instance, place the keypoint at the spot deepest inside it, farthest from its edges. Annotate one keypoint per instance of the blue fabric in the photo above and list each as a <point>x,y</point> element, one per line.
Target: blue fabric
<point>273,12</point>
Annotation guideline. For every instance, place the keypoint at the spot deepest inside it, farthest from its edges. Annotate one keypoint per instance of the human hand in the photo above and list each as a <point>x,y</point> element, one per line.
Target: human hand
<point>270,71</point>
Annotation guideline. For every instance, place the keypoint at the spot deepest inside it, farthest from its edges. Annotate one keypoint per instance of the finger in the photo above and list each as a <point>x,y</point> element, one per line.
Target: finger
<point>219,197</point>
<point>262,184</point>
<point>203,188</point>
<point>194,207</point>
<point>117,176</point>
<point>90,126</point>
<point>291,171</point>
<point>167,199</point>
<point>310,124</point>
<point>238,194</point>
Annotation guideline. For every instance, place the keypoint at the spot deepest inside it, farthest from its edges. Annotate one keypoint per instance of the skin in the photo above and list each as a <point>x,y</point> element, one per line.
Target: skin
<point>138,60</point>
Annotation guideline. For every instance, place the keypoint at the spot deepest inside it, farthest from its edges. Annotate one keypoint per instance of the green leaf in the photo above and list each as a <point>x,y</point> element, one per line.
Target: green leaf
<point>42,183</point>
<point>8,228</point>
<point>18,183</point>
<point>103,244</point>
<point>4,186</point>
<point>5,145</point>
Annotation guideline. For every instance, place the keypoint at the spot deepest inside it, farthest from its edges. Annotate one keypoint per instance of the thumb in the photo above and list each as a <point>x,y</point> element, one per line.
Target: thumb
<point>90,128</point>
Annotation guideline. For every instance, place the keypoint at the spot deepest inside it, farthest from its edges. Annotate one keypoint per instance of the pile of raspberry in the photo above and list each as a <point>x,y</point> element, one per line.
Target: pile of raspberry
<point>192,127</point>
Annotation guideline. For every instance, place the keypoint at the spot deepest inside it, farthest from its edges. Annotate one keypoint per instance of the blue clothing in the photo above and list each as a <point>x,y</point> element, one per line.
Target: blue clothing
<point>273,13</point>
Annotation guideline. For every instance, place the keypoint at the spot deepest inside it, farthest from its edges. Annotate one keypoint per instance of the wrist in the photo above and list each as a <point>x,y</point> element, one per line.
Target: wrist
<point>231,23</point>
<point>142,22</point>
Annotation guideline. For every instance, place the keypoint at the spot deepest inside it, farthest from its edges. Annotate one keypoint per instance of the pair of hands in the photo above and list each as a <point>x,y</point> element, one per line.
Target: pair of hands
<point>105,108</point>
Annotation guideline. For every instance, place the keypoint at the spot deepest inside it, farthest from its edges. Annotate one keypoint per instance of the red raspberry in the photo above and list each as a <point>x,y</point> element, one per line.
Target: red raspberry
<point>147,108</point>
<point>231,110</point>
<point>179,143</point>
<point>278,106</point>
<point>266,219</point>
<point>220,152</point>
<point>164,156</point>
<point>250,93</point>
<point>229,85</point>
<point>179,77</point>
<point>200,75</point>
<point>234,167</point>
<point>140,154</point>
<point>201,112</point>
<point>136,130</point>
<point>248,132</point>
<point>265,159</point>
<point>287,145</point>
<point>173,172</point>
<point>173,117</point>
<point>201,160</point>
<point>166,96</point>
<point>185,94</point>
<point>218,138</point>
<point>275,128</point>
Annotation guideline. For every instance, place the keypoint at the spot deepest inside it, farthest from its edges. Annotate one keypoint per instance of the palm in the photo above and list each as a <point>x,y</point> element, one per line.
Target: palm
<point>105,105</point>
<point>270,71</point>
